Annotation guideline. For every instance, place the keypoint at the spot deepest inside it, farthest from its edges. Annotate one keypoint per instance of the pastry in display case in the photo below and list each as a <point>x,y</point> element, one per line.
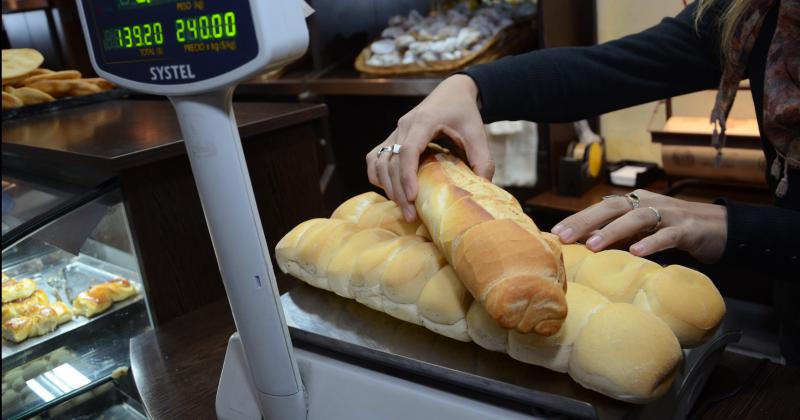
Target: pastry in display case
<point>72,296</point>
<point>447,40</point>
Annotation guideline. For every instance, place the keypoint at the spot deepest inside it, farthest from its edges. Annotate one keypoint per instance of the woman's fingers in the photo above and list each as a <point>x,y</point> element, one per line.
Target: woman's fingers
<point>626,226</point>
<point>372,173</point>
<point>416,139</point>
<point>382,169</point>
<point>397,188</point>
<point>581,224</point>
<point>666,238</point>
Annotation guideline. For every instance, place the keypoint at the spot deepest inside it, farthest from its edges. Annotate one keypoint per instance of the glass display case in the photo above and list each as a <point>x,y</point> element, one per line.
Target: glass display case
<point>73,297</point>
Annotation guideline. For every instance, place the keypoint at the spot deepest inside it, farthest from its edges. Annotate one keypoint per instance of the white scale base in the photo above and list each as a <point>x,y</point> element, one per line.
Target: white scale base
<point>339,390</point>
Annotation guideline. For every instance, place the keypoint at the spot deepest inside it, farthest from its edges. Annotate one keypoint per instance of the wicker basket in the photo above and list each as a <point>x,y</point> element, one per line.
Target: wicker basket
<point>513,39</point>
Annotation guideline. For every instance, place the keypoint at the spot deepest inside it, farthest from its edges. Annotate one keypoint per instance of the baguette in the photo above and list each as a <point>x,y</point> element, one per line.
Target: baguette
<point>408,278</point>
<point>686,300</point>
<point>499,254</point>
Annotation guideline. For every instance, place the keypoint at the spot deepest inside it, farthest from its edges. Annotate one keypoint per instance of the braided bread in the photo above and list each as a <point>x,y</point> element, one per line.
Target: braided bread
<point>406,276</point>
<point>499,254</point>
<point>685,299</point>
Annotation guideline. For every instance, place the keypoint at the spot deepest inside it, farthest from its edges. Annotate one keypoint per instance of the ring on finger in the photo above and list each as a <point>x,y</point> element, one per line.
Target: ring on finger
<point>658,218</point>
<point>396,148</point>
<point>384,150</point>
<point>633,199</point>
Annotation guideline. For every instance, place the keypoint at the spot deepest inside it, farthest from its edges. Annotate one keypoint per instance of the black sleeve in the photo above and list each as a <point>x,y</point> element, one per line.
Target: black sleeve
<point>569,84</point>
<point>761,236</point>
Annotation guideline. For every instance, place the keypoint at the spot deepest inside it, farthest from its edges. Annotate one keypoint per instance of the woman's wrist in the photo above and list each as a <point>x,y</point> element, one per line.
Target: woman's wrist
<point>466,83</point>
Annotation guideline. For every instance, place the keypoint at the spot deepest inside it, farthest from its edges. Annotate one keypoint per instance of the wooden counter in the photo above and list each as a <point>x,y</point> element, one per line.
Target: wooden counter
<point>177,366</point>
<point>121,134</point>
<point>139,143</point>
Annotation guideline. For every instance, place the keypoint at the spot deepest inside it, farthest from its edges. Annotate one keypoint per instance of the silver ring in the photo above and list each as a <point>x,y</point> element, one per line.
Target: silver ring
<point>658,219</point>
<point>396,148</point>
<point>633,199</point>
<point>383,150</point>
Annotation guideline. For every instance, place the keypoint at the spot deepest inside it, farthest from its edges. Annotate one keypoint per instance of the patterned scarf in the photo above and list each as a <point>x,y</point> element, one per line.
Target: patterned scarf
<point>781,86</point>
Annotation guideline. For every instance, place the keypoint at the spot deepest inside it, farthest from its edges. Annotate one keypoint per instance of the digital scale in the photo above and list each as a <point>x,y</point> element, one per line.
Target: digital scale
<point>354,363</point>
<point>195,52</point>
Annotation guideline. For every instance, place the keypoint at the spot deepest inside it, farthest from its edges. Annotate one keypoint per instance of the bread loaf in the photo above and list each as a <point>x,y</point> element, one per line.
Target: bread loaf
<point>685,299</point>
<point>407,277</point>
<point>495,249</point>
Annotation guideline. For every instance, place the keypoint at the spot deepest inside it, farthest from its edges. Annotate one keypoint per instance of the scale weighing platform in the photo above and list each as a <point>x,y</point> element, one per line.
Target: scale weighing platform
<point>350,366</point>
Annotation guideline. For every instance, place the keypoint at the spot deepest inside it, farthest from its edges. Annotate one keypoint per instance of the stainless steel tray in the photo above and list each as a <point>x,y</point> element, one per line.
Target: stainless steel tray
<point>323,319</point>
<point>63,276</point>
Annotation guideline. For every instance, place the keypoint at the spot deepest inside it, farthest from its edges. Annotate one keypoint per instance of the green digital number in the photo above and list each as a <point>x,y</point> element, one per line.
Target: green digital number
<point>230,24</point>
<point>126,30</point>
<point>137,36</point>
<point>148,34</point>
<point>191,25</point>
<point>158,33</point>
<point>119,37</point>
<point>216,25</point>
<point>205,31</point>
<point>179,29</point>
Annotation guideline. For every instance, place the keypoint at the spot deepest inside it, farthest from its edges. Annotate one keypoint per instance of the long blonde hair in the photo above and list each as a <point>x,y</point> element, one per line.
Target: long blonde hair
<point>728,21</point>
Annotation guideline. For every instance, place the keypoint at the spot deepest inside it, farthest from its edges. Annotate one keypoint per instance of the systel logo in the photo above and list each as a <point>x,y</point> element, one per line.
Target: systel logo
<point>173,72</point>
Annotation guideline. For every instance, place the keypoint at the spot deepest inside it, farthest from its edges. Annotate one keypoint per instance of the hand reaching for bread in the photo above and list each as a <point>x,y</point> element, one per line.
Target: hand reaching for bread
<point>698,228</point>
<point>451,109</point>
<point>624,349</point>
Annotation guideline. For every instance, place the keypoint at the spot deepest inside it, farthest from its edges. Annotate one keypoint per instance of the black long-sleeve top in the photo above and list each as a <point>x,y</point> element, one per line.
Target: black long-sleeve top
<point>669,59</point>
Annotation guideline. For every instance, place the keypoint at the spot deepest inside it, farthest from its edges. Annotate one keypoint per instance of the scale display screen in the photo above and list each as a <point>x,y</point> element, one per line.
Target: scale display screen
<point>170,41</point>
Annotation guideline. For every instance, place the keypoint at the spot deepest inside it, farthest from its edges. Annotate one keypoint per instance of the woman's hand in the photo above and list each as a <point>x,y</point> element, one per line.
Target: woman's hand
<point>700,229</point>
<point>451,109</point>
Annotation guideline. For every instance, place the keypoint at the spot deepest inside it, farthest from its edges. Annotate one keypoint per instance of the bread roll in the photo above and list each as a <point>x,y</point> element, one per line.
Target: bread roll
<point>443,305</point>
<point>343,263</point>
<point>615,274</point>
<point>553,352</point>
<point>405,276</point>
<point>484,331</point>
<point>497,252</point>
<point>366,280</point>
<point>352,209</point>
<point>625,352</point>
<point>311,245</point>
<point>686,300</point>
<point>574,255</point>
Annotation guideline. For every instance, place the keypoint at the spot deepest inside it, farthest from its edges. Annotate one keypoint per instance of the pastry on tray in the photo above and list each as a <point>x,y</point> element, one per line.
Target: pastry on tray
<point>99,297</point>
<point>23,306</point>
<point>40,320</point>
<point>14,289</point>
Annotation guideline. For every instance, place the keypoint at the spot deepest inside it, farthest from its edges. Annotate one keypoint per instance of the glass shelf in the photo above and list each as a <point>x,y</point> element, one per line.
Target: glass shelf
<point>66,242</point>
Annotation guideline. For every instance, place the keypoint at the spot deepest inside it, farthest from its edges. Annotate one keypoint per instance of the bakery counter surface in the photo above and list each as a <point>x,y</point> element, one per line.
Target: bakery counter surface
<point>120,134</point>
<point>176,368</point>
<point>691,190</point>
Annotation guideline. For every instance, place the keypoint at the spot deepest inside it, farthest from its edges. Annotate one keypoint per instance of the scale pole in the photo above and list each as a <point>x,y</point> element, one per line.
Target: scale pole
<point>223,183</point>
